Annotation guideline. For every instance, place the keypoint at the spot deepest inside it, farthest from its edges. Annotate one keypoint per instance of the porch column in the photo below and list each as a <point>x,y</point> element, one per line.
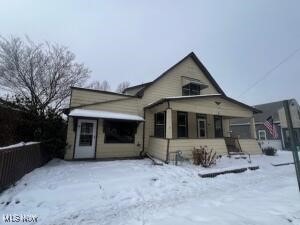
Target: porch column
<point>169,124</point>
<point>252,128</point>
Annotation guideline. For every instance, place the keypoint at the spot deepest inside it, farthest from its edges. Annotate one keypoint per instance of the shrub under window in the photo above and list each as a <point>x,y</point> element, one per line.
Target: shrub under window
<point>119,131</point>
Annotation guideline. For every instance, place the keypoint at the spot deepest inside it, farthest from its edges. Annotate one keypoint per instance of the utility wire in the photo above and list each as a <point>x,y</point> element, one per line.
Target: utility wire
<point>271,71</point>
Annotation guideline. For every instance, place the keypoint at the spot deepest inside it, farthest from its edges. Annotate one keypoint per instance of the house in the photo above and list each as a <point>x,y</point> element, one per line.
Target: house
<point>181,109</point>
<point>241,127</point>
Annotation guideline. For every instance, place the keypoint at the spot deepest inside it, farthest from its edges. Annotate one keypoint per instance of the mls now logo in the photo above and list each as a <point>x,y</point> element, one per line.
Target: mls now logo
<point>15,218</point>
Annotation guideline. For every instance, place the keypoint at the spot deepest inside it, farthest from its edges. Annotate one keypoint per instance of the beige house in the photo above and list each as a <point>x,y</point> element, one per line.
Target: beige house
<point>181,109</point>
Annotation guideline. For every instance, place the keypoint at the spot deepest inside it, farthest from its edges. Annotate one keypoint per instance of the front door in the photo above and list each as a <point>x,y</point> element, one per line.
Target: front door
<point>85,139</point>
<point>201,123</point>
<point>218,127</point>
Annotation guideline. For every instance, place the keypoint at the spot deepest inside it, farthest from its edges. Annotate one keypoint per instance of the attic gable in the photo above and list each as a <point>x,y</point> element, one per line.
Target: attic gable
<point>197,62</point>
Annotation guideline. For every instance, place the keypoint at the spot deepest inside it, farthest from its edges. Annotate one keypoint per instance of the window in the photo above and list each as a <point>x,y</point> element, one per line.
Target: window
<point>119,131</point>
<point>218,126</point>
<point>262,135</point>
<point>182,124</point>
<point>201,125</point>
<point>159,124</point>
<point>191,89</point>
<point>86,134</point>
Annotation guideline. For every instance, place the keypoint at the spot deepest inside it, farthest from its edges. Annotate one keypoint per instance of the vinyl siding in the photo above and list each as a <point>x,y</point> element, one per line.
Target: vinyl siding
<point>82,97</point>
<point>208,106</point>
<point>171,83</point>
<point>250,146</point>
<point>129,106</point>
<point>187,145</point>
<point>157,148</point>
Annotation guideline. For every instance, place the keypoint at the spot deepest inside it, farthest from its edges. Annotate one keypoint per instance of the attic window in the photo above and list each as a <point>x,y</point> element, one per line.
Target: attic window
<point>192,86</point>
<point>191,89</point>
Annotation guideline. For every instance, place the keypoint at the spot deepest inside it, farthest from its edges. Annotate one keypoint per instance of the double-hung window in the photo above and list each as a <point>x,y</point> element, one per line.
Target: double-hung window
<point>160,124</point>
<point>262,135</point>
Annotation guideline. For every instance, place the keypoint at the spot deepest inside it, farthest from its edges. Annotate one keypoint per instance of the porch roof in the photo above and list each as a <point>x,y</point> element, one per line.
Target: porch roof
<point>104,114</point>
<point>166,99</point>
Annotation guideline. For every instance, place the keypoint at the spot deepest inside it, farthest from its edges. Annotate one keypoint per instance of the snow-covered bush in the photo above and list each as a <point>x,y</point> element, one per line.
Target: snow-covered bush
<point>202,156</point>
<point>269,151</point>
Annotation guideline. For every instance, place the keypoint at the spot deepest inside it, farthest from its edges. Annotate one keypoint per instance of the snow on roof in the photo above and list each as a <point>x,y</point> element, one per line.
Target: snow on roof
<point>181,96</point>
<point>104,114</point>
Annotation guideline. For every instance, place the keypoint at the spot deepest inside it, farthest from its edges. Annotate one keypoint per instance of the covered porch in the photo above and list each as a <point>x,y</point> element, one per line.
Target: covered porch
<point>187,122</point>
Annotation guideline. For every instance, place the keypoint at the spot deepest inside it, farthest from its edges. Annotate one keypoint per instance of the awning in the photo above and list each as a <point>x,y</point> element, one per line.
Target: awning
<point>104,114</point>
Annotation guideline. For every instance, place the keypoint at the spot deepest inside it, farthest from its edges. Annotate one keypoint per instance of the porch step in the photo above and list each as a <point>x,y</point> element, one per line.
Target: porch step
<point>236,153</point>
<point>240,170</point>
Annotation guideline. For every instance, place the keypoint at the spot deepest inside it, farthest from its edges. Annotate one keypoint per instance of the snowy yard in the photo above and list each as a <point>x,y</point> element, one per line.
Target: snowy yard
<point>136,192</point>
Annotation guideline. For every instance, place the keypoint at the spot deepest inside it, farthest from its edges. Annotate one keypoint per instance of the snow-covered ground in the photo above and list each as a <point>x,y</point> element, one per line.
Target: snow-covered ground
<point>136,192</point>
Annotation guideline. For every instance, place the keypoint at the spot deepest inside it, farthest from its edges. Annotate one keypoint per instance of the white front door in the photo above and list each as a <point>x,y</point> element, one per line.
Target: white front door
<point>85,139</point>
<point>201,128</point>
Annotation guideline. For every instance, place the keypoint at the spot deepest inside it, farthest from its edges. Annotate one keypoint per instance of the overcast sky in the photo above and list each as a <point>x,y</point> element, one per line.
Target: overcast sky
<point>238,41</point>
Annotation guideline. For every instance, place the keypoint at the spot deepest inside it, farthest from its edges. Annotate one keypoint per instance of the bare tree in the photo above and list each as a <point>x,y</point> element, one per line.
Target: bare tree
<point>98,85</point>
<point>40,73</point>
<point>122,86</point>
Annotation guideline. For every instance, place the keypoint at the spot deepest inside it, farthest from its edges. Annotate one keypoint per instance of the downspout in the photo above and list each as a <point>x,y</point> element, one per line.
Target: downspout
<point>143,148</point>
<point>168,139</point>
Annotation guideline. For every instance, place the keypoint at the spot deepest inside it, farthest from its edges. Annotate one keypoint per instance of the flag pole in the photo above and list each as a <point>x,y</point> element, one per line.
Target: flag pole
<point>292,137</point>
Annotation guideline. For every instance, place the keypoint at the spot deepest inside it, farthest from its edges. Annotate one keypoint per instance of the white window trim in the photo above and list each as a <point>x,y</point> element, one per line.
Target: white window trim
<point>265,135</point>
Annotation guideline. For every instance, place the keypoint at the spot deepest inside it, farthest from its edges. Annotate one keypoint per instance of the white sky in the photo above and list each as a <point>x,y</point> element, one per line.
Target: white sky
<point>238,41</point>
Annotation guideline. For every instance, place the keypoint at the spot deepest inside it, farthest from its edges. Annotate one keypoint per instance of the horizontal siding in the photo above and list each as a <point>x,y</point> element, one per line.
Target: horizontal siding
<point>171,83</point>
<point>129,106</point>
<point>157,147</point>
<point>82,97</point>
<point>250,146</point>
<point>208,106</point>
<point>187,145</point>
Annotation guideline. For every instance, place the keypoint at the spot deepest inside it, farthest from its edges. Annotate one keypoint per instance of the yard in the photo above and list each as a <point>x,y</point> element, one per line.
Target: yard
<point>136,192</point>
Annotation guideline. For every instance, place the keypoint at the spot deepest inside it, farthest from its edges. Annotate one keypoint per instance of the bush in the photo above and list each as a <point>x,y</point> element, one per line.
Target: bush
<point>204,157</point>
<point>50,129</point>
<point>269,151</point>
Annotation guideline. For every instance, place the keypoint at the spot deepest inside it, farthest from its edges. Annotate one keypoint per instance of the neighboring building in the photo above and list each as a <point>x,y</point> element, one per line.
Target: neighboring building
<point>241,127</point>
<point>182,109</point>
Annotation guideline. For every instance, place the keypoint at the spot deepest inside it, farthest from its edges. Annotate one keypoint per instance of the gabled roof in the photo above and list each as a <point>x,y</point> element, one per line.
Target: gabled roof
<point>136,86</point>
<point>268,109</point>
<point>254,110</point>
<point>199,64</point>
<point>103,92</point>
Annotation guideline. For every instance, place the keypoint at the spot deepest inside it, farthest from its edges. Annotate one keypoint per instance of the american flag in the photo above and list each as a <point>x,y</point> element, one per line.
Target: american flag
<point>271,127</point>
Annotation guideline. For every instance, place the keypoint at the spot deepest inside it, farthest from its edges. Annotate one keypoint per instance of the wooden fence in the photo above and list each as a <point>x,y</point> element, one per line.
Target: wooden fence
<point>17,161</point>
